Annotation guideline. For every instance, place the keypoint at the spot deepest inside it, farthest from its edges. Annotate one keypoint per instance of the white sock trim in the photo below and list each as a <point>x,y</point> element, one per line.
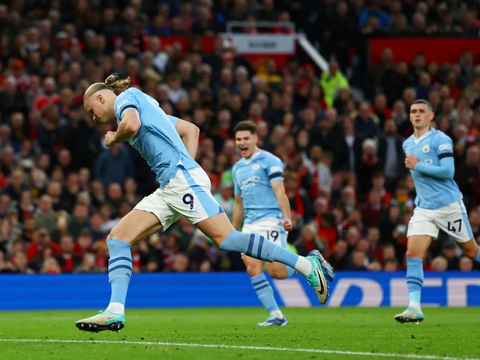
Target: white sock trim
<point>415,305</point>
<point>303,266</point>
<point>116,308</point>
<point>277,314</point>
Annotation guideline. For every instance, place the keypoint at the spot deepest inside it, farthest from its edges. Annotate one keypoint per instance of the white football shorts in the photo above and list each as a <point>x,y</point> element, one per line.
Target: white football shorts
<point>187,194</point>
<point>271,229</point>
<point>452,219</point>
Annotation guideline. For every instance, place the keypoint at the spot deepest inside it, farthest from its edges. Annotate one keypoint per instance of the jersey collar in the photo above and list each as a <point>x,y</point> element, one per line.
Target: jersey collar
<point>427,134</point>
<point>253,157</point>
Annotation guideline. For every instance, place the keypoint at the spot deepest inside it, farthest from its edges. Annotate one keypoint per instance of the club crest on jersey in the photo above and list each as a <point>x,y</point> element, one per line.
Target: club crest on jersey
<point>426,148</point>
<point>255,167</point>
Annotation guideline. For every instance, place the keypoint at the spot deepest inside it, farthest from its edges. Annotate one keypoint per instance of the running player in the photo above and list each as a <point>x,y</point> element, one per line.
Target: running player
<point>261,203</point>
<point>169,146</point>
<point>439,205</point>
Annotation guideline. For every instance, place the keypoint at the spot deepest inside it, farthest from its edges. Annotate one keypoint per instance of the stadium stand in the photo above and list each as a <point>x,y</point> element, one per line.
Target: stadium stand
<point>339,131</point>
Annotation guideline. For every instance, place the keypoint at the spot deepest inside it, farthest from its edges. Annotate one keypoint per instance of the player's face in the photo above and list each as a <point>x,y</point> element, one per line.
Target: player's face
<point>246,143</point>
<point>100,108</point>
<point>421,116</point>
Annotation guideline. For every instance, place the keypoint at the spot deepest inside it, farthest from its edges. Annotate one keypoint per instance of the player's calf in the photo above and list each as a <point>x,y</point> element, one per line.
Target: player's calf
<point>470,248</point>
<point>277,271</point>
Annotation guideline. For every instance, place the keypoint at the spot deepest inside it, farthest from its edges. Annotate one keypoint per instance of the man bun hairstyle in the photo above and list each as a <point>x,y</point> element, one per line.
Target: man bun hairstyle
<point>113,82</point>
<point>117,83</point>
<point>246,125</point>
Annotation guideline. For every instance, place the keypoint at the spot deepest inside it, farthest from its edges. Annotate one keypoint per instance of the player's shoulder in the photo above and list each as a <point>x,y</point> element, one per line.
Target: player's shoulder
<point>238,164</point>
<point>126,97</point>
<point>268,156</point>
<point>440,136</point>
<point>128,93</point>
<point>408,141</point>
<point>442,142</point>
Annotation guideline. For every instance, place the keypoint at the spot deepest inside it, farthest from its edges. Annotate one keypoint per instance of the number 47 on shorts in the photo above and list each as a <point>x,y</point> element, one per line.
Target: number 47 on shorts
<point>455,226</point>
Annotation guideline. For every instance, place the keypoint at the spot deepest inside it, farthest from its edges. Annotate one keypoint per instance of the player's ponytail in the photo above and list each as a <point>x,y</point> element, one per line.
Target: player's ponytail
<point>117,84</point>
<point>113,82</point>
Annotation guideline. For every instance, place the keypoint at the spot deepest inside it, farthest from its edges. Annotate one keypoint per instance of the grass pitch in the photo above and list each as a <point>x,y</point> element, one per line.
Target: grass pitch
<point>314,333</point>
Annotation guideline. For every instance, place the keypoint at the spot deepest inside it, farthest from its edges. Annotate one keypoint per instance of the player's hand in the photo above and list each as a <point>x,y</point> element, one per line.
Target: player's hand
<point>287,224</point>
<point>411,161</point>
<point>109,137</point>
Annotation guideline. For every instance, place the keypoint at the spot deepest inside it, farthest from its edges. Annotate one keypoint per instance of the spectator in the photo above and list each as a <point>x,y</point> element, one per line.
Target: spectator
<point>357,262</point>
<point>88,265</point>
<point>67,260</point>
<point>332,81</point>
<point>374,10</point>
<point>79,220</point>
<point>41,241</point>
<point>44,214</point>
<point>310,241</point>
<point>114,166</point>
<point>49,145</point>
<point>322,177</point>
<point>391,154</point>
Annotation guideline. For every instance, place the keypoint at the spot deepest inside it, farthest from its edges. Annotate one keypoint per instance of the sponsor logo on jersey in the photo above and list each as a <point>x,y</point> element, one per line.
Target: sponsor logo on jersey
<point>276,169</point>
<point>445,147</point>
<point>119,106</point>
<point>250,181</point>
<point>255,167</point>
<point>427,162</point>
<point>426,148</point>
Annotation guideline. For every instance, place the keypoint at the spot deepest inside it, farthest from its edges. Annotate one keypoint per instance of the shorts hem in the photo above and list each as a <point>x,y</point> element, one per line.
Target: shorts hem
<point>165,224</point>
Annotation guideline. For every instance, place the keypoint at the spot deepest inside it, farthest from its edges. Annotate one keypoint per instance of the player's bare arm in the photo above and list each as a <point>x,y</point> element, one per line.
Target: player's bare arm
<point>127,128</point>
<point>279,189</point>
<point>189,134</point>
<point>238,212</point>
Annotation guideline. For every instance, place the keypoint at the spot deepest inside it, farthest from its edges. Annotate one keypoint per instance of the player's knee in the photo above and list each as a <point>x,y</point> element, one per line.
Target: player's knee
<point>119,235</point>
<point>413,253</point>
<point>471,252</point>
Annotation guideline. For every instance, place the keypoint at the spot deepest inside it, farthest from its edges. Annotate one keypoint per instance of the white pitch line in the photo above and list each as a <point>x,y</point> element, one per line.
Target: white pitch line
<point>220,346</point>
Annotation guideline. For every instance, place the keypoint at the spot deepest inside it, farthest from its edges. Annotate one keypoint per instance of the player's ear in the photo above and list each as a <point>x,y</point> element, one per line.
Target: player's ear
<point>432,115</point>
<point>101,98</point>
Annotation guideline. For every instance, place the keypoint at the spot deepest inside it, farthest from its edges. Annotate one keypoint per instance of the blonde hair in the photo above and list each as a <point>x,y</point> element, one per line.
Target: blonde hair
<point>113,82</point>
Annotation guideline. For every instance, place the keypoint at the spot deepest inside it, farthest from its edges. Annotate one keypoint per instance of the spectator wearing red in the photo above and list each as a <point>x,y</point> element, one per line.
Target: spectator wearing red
<point>373,209</point>
<point>380,109</point>
<point>300,203</point>
<point>49,95</point>
<point>42,241</point>
<point>328,231</point>
<point>354,220</point>
<point>67,260</point>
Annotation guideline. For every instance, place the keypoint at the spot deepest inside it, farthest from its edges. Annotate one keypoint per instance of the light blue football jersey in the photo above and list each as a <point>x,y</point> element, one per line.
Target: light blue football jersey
<point>252,179</point>
<point>157,140</point>
<point>433,192</point>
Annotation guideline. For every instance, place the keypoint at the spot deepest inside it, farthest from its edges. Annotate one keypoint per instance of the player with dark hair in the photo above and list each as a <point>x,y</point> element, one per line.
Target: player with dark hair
<point>263,207</point>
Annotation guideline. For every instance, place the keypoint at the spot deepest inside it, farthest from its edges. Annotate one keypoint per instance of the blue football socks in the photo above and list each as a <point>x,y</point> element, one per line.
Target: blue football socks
<point>258,247</point>
<point>264,292</point>
<point>119,269</point>
<point>414,281</point>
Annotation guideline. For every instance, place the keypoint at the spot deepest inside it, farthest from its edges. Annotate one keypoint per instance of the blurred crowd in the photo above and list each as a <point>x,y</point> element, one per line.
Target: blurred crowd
<point>62,190</point>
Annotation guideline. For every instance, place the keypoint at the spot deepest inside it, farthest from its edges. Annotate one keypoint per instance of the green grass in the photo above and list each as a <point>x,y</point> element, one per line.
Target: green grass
<point>445,332</point>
